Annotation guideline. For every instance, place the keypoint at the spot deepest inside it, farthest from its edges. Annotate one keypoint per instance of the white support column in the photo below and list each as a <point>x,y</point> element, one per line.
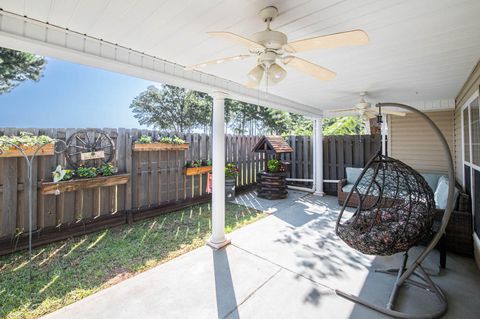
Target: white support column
<point>384,128</point>
<point>218,239</point>
<point>318,156</point>
<point>367,126</point>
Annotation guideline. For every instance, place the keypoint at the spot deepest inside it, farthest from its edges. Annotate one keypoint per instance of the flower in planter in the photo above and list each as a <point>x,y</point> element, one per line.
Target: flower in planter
<point>107,169</point>
<point>231,171</point>
<point>171,140</point>
<point>25,138</point>
<point>86,172</point>
<point>144,139</point>
<point>69,174</point>
<point>198,163</point>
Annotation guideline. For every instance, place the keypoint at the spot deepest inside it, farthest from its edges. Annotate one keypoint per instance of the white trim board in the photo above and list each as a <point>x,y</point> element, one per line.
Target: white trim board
<point>476,249</point>
<point>26,34</point>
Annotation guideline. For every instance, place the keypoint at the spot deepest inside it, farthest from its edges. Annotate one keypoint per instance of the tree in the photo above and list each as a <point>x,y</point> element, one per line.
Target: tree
<point>344,125</point>
<point>16,67</point>
<point>171,108</point>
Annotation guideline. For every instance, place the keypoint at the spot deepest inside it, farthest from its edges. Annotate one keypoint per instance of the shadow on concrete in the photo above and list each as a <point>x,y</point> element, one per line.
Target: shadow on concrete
<point>320,253</point>
<point>224,289</point>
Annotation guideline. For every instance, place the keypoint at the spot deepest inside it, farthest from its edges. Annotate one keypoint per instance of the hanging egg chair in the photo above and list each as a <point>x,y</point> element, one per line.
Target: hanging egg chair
<point>395,211</point>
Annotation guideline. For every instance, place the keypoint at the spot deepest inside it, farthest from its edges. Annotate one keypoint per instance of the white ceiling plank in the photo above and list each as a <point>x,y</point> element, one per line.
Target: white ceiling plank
<point>418,50</point>
<point>64,44</point>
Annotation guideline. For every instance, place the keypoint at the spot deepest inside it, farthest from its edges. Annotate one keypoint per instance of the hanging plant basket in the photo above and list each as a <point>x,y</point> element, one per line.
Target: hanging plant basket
<point>52,188</point>
<point>139,147</point>
<point>48,149</point>
<point>191,171</point>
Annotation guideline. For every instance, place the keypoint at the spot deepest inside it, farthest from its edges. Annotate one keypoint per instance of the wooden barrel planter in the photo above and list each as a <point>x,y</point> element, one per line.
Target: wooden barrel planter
<point>272,185</point>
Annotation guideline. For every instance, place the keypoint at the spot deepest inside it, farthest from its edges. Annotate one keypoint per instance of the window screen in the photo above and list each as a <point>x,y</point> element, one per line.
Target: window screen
<point>475,131</point>
<point>466,135</point>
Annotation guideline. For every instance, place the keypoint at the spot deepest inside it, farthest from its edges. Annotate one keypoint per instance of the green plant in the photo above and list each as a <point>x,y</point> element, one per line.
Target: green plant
<point>273,166</point>
<point>86,172</point>
<point>144,139</point>
<point>25,138</point>
<point>171,140</point>
<point>106,169</point>
<point>231,171</point>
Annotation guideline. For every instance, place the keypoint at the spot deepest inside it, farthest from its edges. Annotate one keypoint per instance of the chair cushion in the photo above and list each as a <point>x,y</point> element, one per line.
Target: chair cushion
<point>441,193</point>
<point>352,174</point>
<point>347,188</point>
<point>432,180</point>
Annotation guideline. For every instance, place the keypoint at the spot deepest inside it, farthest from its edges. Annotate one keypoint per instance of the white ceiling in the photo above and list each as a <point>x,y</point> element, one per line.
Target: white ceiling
<point>420,51</point>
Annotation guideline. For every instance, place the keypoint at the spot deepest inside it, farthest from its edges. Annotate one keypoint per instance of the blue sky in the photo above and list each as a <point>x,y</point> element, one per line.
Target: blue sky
<point>74,96</point>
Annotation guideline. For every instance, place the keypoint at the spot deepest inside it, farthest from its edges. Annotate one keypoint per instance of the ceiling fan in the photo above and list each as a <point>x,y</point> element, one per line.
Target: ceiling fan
<point>366,110</point>
<point>271,47</point>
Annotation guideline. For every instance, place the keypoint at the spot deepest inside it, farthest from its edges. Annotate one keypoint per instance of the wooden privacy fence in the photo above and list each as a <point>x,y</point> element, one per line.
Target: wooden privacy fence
<point>156,184</point>
<point>339,151</point>
<point>156,181</point>
<point>346,151</point>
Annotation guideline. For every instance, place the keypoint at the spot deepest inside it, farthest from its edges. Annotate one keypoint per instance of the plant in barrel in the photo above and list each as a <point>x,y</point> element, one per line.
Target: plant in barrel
<point>231,174</point>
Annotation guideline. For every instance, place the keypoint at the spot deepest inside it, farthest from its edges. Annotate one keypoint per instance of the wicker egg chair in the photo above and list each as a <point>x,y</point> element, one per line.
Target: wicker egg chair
<point>395,212</point>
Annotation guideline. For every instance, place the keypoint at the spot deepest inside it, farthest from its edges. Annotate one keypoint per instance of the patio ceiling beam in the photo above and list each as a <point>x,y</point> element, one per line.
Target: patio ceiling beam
<point>38,37</point>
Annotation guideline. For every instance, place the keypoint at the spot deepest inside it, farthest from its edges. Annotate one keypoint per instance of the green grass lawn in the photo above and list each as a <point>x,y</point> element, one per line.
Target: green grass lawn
<point>70,270</point>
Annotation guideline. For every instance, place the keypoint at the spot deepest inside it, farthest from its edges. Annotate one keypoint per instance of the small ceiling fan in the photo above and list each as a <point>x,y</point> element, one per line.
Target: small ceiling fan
<point>270,47</point>
<point>366,110</point>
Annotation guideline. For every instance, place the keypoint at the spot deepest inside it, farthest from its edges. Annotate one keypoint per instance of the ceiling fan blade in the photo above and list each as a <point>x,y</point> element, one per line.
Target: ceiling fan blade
<point>309,68</point>
<point>218,61</point>
<point>335,40</point>
<point>251,84</point>
<point>237,39</point>
<point>342,110</point>
<point>397,113</point>
<point>370,113</point>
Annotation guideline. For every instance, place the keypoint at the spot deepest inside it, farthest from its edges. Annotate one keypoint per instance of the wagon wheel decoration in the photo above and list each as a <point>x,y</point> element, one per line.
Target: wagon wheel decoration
<point>89,147</point>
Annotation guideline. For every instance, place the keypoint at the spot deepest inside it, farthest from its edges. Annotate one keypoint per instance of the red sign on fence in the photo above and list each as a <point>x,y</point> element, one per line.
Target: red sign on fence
<point>209,184</point>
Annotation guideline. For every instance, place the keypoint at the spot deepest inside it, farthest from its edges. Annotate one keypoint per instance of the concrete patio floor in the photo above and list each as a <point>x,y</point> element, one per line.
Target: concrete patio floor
<point>286,265</point>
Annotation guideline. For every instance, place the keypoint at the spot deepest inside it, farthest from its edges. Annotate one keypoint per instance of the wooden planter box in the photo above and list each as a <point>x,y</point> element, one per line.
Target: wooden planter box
<point>52,188</point>
<point>137,147</point>
<point>48,149</point>
<point>197,170</point>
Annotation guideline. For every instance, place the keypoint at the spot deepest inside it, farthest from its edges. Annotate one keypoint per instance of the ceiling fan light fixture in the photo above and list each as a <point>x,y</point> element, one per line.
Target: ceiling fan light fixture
<point>276,73</point>
<point>256,74</point>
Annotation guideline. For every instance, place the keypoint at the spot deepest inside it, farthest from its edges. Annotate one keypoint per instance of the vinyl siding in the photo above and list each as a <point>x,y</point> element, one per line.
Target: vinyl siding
<point>415,143</point>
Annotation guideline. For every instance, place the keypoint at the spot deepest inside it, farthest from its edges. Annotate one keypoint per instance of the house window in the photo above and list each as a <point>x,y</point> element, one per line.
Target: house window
<point>466,135</point>
<point>475,131</point>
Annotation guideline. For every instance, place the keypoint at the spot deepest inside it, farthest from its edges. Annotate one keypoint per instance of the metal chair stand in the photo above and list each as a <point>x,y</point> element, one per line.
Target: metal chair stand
<point>405,275</point>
